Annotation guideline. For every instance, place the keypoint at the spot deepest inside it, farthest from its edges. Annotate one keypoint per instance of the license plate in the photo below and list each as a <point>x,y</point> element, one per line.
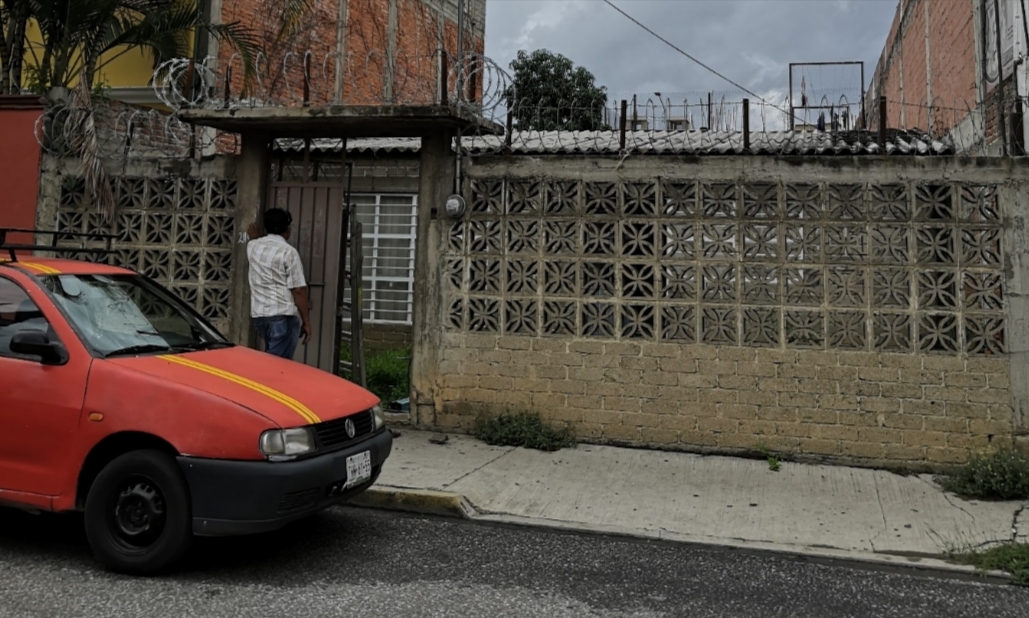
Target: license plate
<point>359,469</point>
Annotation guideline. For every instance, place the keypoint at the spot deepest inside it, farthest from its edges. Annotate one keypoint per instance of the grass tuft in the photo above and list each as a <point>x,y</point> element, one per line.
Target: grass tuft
<point>522,429</point>
<point>388,373</point>
<point>1011,557</point>
<point>1003,475</point>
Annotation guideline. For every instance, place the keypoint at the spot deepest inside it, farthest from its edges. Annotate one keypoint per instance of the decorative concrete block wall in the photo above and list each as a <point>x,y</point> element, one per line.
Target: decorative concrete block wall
<point>174,223</point>
<point>850,308</point>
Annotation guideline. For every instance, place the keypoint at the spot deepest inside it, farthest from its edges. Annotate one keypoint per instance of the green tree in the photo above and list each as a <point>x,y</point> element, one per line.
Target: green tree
<point>549,93</point>
<point>79,37</point>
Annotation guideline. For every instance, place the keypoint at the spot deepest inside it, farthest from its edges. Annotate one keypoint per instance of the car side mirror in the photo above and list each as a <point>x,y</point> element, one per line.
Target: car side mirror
<point>36,343</point>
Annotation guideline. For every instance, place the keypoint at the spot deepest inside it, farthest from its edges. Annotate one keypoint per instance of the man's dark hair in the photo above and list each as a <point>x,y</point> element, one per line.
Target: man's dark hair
<point>277,221</point>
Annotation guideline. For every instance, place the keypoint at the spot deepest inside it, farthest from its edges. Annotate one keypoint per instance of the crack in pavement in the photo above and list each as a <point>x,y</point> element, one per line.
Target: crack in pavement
<point>1014,523</point>
<point>958,506</point>
<point>466,475</point>
<point>878,496</point>
<point>947,497</point>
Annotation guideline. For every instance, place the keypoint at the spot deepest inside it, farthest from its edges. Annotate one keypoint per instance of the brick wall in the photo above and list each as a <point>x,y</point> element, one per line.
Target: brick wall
<point>858,312</point>
<point>930,92</point>
<point>409,31</point>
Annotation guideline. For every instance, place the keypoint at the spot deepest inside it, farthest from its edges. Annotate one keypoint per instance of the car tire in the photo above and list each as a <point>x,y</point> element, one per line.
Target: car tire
<point>138,515</point>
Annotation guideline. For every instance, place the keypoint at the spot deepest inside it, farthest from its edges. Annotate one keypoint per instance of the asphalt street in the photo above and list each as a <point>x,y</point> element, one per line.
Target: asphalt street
<point>352,562</point>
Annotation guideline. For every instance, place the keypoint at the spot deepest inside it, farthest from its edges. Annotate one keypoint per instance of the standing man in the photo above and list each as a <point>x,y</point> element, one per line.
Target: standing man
<point>278,291</point>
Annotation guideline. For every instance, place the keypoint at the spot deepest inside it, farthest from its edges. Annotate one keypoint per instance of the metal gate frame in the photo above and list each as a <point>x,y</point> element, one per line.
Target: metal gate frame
<point>350,244</point>
<point>320,220</point>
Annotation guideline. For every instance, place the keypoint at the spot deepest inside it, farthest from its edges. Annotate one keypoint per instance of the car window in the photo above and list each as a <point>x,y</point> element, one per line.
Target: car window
<point>127,314</point>
<point>18,314</point>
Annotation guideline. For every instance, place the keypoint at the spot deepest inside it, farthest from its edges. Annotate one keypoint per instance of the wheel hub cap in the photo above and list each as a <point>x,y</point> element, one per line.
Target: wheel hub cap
<point>139,509</point>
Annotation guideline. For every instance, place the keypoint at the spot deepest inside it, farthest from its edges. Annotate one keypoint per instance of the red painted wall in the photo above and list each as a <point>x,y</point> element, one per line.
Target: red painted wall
<point>19,163</point>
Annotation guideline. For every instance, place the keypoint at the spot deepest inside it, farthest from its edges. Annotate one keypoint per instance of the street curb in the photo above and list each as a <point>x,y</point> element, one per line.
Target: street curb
<point>415,501</point>
<point>449,504</point>
<point>927,565</point>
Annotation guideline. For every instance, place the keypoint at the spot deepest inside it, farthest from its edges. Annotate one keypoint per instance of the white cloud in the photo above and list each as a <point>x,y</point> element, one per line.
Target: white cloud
<point>750,41</point>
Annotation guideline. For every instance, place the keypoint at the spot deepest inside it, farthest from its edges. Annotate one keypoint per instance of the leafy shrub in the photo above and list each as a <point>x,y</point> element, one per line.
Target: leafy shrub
<point>522,429</point>
<point>388,374</point>
<point>1003,475</point>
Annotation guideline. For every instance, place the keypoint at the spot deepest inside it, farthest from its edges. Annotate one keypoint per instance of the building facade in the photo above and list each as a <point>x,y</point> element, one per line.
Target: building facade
<point>361,51</point>
<point>939,71</point>
<point>364,52</point>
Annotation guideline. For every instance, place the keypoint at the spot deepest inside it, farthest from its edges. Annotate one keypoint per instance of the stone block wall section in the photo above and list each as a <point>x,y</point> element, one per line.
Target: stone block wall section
<point>861,310</point>
<point>892,409</point>
<point>386,337</point>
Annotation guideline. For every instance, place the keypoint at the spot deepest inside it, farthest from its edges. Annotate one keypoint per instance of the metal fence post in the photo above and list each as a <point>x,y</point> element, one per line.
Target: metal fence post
<point>882,123</point>
<point>621,124</point>
<point>746,124</point>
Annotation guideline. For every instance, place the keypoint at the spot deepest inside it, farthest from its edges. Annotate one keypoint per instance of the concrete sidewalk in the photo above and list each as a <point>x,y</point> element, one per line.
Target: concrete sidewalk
<point>823,511</point>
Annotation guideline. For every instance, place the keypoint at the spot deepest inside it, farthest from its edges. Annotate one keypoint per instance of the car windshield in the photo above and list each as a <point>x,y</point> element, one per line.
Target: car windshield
<point>127,314</point>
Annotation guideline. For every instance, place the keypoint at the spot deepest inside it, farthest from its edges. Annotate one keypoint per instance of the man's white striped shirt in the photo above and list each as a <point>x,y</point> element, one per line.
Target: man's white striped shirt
<point>275,269</point>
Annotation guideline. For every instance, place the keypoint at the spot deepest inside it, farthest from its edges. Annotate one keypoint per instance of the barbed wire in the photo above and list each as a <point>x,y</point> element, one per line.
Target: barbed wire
<point>305,78</point>
<point>126,131</point>
<point>129,131</point>
<point>687,122</point>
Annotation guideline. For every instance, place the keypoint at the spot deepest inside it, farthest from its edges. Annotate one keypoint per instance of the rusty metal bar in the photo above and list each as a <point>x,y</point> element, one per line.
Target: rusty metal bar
<point>746,124</point>
<point>444,75</point>
<point>621,124</point>
<point>189,80</point>
<point>510,128</point>
<point>882,123</point>
<point>228,81</point>
<point>357,301</point>
<point>793,111</point>
<point>307,80</point>
<point>341,276</point>
<point>473,84</point>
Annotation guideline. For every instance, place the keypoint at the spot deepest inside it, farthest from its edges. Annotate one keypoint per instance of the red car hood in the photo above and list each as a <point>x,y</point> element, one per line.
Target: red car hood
<point>288,393</point>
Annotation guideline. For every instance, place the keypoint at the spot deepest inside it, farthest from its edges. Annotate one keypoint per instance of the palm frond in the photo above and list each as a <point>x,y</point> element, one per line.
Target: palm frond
<point>292,13</point>
<point>245,42</point>
<point>86,142</point>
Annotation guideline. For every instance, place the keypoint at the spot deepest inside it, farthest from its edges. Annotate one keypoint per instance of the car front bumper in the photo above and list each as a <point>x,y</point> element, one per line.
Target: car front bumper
<point>248,497</point>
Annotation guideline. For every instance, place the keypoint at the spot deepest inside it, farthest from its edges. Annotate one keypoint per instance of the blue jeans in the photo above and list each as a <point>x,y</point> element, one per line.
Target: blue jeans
<point>280,334</point>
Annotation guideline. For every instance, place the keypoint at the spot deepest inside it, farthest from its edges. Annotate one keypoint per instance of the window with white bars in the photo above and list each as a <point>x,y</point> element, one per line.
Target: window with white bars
<point>389,242</point>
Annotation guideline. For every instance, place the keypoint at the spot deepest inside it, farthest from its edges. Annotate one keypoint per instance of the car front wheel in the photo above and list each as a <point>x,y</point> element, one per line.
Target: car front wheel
<point>138,517</point>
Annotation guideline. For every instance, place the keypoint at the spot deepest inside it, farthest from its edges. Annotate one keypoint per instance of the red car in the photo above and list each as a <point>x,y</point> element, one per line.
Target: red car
<point>118,400</point>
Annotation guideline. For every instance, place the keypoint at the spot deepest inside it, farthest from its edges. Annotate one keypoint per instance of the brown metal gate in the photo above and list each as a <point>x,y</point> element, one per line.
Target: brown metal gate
<point>321,215</point>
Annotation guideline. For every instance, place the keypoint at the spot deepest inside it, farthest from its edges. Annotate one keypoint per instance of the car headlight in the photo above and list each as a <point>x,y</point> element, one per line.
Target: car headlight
<point>285,444</point>
<point>377,415</point>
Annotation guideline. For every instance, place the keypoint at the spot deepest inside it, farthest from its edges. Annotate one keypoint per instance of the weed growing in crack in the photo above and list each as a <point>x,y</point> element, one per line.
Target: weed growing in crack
<point>1010,557</point>
<point>1003,475</point>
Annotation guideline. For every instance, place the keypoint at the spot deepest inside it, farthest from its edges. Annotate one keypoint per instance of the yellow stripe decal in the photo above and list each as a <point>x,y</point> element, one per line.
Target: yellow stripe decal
<point>273,394</point>
<point>46,270</point>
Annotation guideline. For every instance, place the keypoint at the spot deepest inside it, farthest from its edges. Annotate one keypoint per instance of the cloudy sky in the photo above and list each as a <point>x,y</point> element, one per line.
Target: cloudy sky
<point>750,41</point>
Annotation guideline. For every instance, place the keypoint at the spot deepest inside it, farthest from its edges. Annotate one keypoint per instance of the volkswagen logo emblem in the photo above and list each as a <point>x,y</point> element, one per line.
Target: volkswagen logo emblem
<point>349,426</point>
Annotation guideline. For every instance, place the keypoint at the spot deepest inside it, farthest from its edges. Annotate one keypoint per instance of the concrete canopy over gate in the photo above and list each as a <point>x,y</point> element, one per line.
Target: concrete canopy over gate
<point>319,242</point>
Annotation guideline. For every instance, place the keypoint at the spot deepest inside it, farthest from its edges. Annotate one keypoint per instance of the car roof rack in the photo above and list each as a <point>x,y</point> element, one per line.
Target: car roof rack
<point>11,248</point>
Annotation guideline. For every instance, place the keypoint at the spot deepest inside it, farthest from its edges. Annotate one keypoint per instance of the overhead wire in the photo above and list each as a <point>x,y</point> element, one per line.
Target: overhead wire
<point>691,57</point>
